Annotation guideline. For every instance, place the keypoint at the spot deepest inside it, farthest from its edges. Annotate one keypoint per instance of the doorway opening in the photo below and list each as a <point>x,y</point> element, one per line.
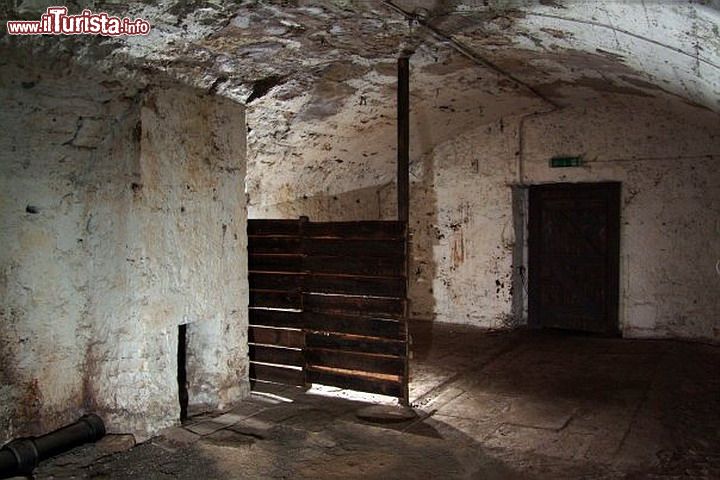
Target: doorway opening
<point>182,372</point>
<point>574,256</point>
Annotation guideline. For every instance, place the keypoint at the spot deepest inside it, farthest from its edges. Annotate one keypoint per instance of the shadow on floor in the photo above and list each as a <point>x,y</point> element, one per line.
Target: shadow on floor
<point>491,405</point>
<point>638,407</point>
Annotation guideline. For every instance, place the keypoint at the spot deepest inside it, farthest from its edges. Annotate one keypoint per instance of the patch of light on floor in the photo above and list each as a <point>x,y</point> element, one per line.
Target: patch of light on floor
<point>272,397</point>
<point>334,392</point>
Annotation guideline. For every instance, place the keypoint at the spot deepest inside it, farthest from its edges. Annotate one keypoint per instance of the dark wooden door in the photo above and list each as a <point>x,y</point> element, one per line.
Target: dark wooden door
<point>574,253</point>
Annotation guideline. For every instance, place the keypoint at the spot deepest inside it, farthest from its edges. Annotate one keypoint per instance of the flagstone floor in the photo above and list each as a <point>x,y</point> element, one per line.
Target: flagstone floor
<point>489,405</point>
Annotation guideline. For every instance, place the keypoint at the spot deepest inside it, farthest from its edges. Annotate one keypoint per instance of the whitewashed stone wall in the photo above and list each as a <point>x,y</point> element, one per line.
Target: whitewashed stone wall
<point>54,135</point>
<point>122,215</point>
<point>665,154</point>
<point>667,157</point>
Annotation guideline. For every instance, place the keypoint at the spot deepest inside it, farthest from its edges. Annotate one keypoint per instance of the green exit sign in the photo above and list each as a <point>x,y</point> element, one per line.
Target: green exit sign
<point>565,162</point>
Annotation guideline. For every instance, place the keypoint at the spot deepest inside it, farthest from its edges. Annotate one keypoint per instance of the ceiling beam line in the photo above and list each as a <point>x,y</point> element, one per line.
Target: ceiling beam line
<point>694,56</point>
<point>469,53</point>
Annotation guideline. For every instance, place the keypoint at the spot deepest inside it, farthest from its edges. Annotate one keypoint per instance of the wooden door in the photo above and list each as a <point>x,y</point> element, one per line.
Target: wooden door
<point>574,252</point>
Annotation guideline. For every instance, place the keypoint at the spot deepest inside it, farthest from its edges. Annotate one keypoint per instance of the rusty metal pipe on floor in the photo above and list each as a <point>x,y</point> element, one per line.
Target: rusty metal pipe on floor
<point>22,456</point>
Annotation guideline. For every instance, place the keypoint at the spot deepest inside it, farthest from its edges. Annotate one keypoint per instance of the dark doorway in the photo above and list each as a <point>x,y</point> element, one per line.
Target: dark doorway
<point>574,256</point>
<point>182,372</point>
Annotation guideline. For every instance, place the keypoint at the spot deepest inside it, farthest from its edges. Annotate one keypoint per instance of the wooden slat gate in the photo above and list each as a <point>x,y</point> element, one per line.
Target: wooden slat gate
<point>328,304</point>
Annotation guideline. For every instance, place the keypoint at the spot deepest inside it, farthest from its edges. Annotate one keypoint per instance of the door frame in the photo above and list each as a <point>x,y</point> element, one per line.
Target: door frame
<point>613,192</point>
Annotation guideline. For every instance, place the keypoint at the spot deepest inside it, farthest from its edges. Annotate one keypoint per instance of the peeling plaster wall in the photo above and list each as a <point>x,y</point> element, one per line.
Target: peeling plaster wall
<point>188,257</point>
<point>121,216</point>
<point>675,45</point>
<point>668,160</point>
<point>462,230</point>
<point>664,153</point>
<point>54,134</point>
<point>341,165</point>
<point>670,46</point>
<point>371,203</point>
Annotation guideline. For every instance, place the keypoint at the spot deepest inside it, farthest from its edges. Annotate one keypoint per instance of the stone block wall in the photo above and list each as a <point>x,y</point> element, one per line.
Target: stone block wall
<point>122,216</point>
<point>665,154</point>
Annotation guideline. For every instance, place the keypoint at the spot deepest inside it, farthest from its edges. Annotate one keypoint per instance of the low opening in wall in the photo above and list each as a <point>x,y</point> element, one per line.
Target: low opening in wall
<point>182,372</point>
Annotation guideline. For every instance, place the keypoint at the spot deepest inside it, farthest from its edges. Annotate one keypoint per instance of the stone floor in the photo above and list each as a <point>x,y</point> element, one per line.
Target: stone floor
<point>490,405</point>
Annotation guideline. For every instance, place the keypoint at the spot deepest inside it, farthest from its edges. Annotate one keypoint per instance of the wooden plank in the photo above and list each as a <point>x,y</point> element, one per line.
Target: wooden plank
<point>285,281</point>
<point>275,299</point>
<point>364,362</point>
<point>284,245</point>
<point>275,262</point>
<point>270,373</point>
<point>360,383</point>
<point>354,305</point>
<point>348,324</point>
<point>359,230</point>
<point>276,336</point>
<point>276,318</point>
<point>358,344</point>
<point>277,355</point>
<point>354,285</point>
<point>273,227</point>
<point>376,266</point>
<point>354,247</point>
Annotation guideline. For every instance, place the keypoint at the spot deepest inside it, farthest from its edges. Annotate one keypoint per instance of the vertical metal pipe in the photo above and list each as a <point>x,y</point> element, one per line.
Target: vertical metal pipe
<point>403,188</point>
<point>403,140</point>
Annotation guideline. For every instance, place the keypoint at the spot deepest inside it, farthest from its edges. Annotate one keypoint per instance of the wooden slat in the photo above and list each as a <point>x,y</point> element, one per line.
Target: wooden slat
<point>284,245</point>
<point>322,264</point>
<point>346,324</point>
<point>275,299</point>
<point>359,383</point>
<point>273,227</point>
<point>276,336</point>
<point>355,285</point>
<point>270,262</point>
<point>352,247</point>
<point>373,327</point>
<point>364,362</point>
<point>377,266</point>
<point>270,373</point>
<point>282,356</point>
<point>355,344</point>
<point>360,306</point>
<point>276,318</point>
<point>285,281</point>
<point>365,229</point>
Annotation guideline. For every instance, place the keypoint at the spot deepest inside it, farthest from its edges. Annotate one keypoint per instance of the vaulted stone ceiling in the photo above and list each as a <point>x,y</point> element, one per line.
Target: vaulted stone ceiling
<point>319,77</point>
